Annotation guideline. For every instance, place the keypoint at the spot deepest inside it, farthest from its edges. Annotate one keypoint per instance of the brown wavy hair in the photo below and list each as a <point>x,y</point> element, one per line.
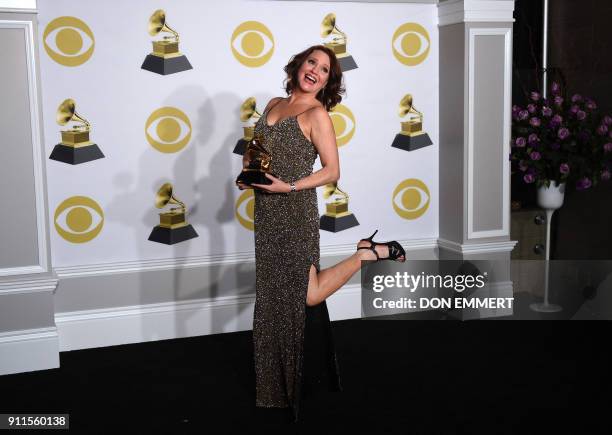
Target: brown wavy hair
<point>331,94</point>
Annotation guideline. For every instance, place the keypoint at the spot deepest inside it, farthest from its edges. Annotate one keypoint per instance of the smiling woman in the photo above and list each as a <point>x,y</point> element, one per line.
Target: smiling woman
<point>292,338</point>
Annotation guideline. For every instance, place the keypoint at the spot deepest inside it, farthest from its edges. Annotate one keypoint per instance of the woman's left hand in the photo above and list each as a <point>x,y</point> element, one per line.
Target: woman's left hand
<point>277,186</point>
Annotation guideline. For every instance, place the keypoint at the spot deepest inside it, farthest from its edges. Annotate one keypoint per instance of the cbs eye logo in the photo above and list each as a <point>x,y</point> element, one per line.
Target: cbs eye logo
<point>245,209</point>
<point>411,198</point>
<point>252,44</point>
<point>410,44</point>
<point>68,41</point>
<point>344,124</point>
<point>168,130</point>
<point>78,219</point>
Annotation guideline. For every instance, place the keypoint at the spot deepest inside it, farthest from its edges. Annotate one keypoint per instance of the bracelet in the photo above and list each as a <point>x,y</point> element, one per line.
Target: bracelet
<point>292,185</point>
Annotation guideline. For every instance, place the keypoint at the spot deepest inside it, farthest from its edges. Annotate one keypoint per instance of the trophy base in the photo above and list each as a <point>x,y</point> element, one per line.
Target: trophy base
<point>240,147</point>
<point>335,224</point>
<point>250,177</point>
<point>347,63</point>
<point>411,143</point>
<point>169,236</point>
<point>166,66</point>
<point>76,155</point>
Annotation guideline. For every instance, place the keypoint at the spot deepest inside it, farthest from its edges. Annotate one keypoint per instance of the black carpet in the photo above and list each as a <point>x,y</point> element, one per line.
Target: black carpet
<point>411,377</point>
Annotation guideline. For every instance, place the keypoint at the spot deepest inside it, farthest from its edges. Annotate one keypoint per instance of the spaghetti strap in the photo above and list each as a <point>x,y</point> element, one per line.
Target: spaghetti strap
<point>310,108</point>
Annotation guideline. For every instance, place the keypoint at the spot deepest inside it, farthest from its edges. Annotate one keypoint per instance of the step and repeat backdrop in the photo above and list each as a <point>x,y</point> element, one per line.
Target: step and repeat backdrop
<point>142,114</point>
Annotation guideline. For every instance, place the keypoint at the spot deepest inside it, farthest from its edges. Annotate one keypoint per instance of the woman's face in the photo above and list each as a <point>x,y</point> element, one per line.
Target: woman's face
<point>314,72</point>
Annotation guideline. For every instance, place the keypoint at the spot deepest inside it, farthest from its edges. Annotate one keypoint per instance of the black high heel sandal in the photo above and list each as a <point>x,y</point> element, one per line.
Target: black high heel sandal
<point>395,249</point>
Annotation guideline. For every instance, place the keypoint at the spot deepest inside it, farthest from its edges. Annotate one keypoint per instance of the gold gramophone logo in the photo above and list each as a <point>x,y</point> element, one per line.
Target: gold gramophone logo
<point>252,44</point>
<point>68,41</point>
<point>337,216</point>
<point>337,42</point>
<point>248,115</point>
<point>173,227</point>
<point>410,44</point>
<point>245,209</point>
<point>411,136</point>
<point>78,219</point>
<point>168,130</point>
<point>260,164</point>
<point>411,198</point>
<point>165,58</point>
<point>75,146</point>
<point>344,124</point>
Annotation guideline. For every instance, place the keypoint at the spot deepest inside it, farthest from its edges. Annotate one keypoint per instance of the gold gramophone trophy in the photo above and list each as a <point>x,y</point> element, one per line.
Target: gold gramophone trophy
<point>75,146</point>
<point>337,43</point>
<point>172,228</point>
<point>248,111</point>
<point>337,216</point>
<point>412,136</point>
<point>260,163</point>
<point>166,57</point>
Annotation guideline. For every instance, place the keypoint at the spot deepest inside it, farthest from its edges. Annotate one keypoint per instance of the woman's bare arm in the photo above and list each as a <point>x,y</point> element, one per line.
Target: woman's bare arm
<point>323,136</point>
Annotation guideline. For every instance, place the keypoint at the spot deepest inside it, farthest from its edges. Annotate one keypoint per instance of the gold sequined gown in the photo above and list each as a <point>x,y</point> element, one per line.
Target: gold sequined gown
<point>293,345</point>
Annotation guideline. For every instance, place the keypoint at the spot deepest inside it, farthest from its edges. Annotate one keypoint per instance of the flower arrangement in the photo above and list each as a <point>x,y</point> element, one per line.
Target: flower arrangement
<point>561,140</point>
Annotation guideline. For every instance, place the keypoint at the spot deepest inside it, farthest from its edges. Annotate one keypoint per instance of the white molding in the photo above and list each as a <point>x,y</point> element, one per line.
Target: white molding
<point>41,214</point>
<point>29,350</point>
<point>27,6</point>
<point>475,11</point>
<point>477,248</point>
<point>168,320</point>
<point>28,286</point>
<point>28,334</point>
<point>17,11</point>
<point>21,270</point>
<point>210,260</point>
<point>506,32</point>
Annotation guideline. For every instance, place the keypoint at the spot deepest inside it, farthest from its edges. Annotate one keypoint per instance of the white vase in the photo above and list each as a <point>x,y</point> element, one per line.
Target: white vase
<point>550,199</point>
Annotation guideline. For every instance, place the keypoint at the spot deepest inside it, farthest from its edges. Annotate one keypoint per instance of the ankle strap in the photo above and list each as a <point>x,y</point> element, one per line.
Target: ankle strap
<point>371,248</point>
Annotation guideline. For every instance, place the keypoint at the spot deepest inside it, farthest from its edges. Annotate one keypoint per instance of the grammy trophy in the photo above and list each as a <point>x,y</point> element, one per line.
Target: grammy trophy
<point>166,57</point>
<point>172,228</point>
<point>337,43</point>
<point>248,112</point>
<point>337,216</point>
<point>75,146</point>
<point>260,163</point>
<point>412,136</point>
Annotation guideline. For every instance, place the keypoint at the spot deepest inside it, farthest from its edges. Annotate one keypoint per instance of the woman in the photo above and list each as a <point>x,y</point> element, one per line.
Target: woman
<point>291,327</point>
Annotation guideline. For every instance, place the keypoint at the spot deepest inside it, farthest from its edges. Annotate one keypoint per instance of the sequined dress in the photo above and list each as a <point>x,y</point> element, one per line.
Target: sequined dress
<point>294,353</point>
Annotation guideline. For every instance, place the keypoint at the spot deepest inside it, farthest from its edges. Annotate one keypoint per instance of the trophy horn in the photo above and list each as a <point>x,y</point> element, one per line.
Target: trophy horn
<point>406,106</point>
<point>333,189</point>
<point>248,109</point>
<point>329,190</point>
<point>157,24</point>
<point>165,196</point>
<point>328,26</point>
<point>66,112</point>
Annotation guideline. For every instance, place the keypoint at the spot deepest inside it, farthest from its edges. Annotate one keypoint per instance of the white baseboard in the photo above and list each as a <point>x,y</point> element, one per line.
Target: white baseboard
<point>477,248</point>
<point>29,350</point>
<point>136,324</point>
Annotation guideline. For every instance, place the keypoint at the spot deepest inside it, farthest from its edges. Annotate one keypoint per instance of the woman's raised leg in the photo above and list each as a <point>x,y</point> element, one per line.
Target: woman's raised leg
<point>323,284</point>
